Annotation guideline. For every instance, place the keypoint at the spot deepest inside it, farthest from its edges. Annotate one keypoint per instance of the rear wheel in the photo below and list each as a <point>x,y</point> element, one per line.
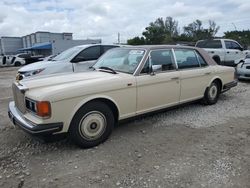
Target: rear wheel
<point>17,64</point>
<point>212,94</point>
<point>92,124</point>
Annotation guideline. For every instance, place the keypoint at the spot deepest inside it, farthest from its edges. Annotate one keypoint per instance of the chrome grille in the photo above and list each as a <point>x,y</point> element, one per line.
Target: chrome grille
<point>19,98</point>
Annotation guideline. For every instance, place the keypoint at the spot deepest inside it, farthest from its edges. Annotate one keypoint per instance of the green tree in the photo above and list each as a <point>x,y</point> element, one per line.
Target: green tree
<point>196,31</point>
<point>213,28</point>
<point>242,37</point>
<point>136,41</point>
<point>161,31</point>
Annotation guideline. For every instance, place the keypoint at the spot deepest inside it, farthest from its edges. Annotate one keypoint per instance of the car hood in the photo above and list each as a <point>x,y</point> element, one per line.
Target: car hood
<point>64,78</point>
<point>61,86</point>
<point>37,65</point>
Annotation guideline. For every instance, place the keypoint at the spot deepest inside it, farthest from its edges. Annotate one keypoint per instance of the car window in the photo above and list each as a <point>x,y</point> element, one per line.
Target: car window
<point>228,44</point>
<point>121,59</point>
<point>209,44</point>
<point>145,69</point>
<point>23,55</point>
<point>91,53</point>
<point>202,62</point>
<point>235,45</point>
<point>232,45</point>
<point>186,58</point>
<point>69,53</point>
<point>163,58</point>
<point>107,47</point>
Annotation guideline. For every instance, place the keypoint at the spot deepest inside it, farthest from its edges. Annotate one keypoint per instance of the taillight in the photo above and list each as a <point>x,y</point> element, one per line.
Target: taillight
<point>43,108</point>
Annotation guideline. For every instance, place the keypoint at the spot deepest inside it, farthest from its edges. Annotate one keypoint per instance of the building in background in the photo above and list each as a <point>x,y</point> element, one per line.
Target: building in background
<point>41,43</point>
<point>8,45</point>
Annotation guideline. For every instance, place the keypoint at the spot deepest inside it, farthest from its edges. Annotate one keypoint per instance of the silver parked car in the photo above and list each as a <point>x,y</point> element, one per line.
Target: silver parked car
<point>243,69</point>
<point>75,59</point>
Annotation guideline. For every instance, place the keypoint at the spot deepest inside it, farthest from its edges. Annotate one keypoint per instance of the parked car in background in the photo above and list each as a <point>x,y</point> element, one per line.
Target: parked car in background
<point>246,52</point>
<point>19,59</point>
<point>224,51</point>
<point>243,69</point>
<point>5,61</point>
<point>124,82</point>
<point>78,58</point>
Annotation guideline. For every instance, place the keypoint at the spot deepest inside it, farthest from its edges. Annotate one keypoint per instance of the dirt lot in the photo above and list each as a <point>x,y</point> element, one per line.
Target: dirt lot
<point>192,146</point>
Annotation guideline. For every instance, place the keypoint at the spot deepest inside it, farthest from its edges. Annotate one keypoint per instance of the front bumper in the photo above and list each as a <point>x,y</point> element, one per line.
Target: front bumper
<point>34,129</point>
<point>229,85</point>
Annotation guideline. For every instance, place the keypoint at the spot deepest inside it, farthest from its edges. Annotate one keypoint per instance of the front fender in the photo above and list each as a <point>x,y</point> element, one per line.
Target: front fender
<point>86,100</point>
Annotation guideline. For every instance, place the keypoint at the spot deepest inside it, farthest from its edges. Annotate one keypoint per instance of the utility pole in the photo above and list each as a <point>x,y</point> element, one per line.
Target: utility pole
<point>118,39</point>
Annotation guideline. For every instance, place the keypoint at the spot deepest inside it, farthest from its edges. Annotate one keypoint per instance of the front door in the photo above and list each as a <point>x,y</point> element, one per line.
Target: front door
<point>161,88</point>
<point>233,53</point>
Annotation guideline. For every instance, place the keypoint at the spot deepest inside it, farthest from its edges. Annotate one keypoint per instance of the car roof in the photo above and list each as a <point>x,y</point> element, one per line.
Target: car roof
<point>152,47</point>
<point>201,51</point>
<point>88,45</point>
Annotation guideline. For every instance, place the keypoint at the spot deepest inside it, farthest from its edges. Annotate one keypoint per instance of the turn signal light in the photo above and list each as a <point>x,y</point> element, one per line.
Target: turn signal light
<point>43,108</point>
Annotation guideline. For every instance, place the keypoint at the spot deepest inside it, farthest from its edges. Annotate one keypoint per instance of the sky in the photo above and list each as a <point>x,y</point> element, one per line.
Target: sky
<point>105,18</point>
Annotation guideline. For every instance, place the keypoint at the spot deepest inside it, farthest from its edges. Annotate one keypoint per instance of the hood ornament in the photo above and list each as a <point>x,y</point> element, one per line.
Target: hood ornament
<point>18,78</point>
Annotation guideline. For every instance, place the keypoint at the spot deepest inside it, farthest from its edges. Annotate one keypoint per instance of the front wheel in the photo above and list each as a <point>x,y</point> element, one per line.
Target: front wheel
<point>211,94</point>
<point>92,124</point>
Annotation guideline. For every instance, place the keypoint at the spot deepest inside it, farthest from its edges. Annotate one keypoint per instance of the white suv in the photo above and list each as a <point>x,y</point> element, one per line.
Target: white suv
<point>75,59</point>
<point>223,51</point>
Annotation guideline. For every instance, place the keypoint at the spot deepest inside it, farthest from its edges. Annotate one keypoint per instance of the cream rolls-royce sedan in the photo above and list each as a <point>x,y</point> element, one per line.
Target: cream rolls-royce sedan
<point>125,82</point>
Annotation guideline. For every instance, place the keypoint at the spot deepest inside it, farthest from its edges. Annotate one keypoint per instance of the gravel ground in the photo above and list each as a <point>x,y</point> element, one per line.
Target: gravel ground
<point>191,146</point>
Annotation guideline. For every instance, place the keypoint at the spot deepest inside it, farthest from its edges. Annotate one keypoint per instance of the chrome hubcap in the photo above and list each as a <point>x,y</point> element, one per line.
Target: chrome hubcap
<point>213,92</point>
<point>92,125</point>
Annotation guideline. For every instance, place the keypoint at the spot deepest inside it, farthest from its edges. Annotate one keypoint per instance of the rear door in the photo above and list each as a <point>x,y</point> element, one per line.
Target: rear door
<point>195,74</point>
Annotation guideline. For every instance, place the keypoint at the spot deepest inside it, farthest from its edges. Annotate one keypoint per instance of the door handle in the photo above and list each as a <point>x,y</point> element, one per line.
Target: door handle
<point>212,52</point>
<point>175,78</point>
<point>237,52</point>
<point>207,73</point>
<point>228,52</point>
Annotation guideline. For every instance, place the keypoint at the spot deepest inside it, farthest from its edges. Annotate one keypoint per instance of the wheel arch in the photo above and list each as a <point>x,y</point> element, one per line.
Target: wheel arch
<point>217,57</point>
<point>218,80</point>
<point>105,99</point>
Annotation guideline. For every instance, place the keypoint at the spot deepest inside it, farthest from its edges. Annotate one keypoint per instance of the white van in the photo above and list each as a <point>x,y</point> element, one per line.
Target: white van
<point>75,59</point>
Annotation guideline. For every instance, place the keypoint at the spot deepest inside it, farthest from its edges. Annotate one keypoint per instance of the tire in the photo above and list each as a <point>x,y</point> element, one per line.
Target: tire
<point>211,94</point>
<point>92,124</point>
<point>17,64</point>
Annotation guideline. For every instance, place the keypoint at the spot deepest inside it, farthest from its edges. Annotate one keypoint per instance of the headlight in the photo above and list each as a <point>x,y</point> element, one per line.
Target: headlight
<point>33,72</point>
<point>40,108</point>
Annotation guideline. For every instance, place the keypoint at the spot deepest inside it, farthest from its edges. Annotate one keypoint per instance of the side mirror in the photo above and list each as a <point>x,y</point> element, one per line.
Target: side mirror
<point>156,68</point>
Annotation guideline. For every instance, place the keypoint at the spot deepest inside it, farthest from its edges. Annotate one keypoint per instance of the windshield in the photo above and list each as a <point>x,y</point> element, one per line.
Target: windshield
<point>67,54</point>
<point>121,60</point>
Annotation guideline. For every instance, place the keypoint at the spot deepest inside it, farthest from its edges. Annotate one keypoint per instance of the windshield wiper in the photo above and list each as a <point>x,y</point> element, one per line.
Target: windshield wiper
<point>107,68</point>
<point>91,67</point>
